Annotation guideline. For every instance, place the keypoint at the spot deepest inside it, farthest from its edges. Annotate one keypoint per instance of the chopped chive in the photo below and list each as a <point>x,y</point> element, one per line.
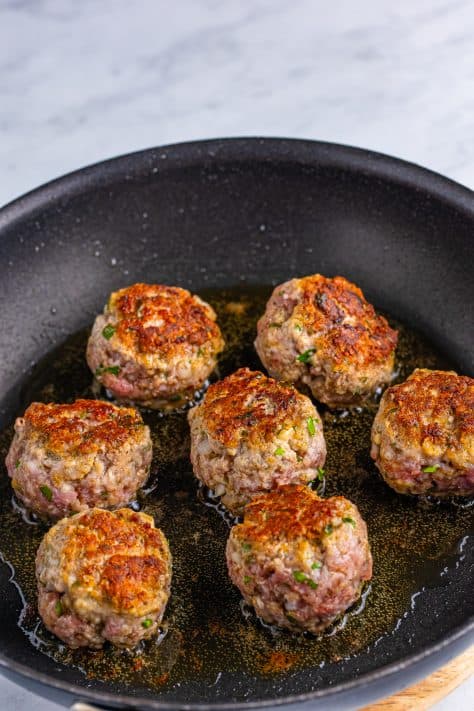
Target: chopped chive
<point>279,451</point>
<point>328,529</point>
<point>246,547</point>
<point>108,331</point>
<point>247,579</point>
<point>300,577</point>
<point>393,409</point>
<point>430,470</point>
<point>58,608</point>
<point>316,565</point>
<point>46,491</point>
<point>304,357</point>
<point>348,519</point>
<point>290,617</point>
<point>311,426</point>
<point>175,398</point>
<point>147,623</point>
<point>298,327</point>
<point>320,473</point>
<point>113,369</point>
<point>17,463</point>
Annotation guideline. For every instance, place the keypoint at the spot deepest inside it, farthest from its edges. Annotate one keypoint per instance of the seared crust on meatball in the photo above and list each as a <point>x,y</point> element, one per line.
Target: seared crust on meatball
<point>250,434</point>
<point>321,333</point>
<point>299,560</point>
<point>423,434</point>
<point>154,345</point>
<point>68,458</point>
<point>103,576</point>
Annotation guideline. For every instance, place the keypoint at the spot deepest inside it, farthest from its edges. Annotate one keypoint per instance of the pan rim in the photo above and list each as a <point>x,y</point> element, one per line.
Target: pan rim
<point>138,702</point>
<point>279,151</point>
<point>242,148</point>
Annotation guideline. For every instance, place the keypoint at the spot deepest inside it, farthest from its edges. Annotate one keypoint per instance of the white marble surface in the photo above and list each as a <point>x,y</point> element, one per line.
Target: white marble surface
<point>83,81</point>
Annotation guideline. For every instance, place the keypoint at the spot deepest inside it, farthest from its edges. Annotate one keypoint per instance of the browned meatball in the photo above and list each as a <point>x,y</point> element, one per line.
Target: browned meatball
<point>68,458</point>
<point>423,434</point>
<point>322,333</point>
<point>154,345</point>
<point>251,434</point>
<point>103,576</point>
<point>299,560</point>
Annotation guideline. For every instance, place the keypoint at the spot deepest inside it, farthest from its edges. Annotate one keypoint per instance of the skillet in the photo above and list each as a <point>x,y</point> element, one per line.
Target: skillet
<point>242,212</point>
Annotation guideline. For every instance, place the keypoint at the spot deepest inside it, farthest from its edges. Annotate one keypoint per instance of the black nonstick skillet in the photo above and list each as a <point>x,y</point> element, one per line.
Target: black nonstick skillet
<point>234,217</point>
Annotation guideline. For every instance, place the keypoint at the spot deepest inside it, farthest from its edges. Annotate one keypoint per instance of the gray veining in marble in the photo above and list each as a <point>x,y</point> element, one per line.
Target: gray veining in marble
<point>83,80</point>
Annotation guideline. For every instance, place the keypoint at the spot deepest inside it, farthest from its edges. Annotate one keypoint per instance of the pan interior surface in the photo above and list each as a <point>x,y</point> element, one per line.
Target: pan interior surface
<point>207,216</point>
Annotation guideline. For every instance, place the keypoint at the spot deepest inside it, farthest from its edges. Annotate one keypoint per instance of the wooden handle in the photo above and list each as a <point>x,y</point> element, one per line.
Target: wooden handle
<point>426,693</point>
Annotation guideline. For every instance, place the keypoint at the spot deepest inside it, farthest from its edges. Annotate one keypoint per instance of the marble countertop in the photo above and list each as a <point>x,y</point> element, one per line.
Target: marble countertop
<point>83,81</point>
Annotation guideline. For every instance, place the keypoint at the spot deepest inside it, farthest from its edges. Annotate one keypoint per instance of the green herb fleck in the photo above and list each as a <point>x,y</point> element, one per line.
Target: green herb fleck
<point>247,579</point>
<point>328,529</point>
<point>320,473</point>
<point>147,623</point>
<point>108,331</point>
<point>348,519</point>
<point>311,426</point>
<point>17,463</point>
<point>393,409</point>
<point>113,369</point>
<point>279,451</point>
<point>290,618</point>
<point>300,577</point>
<point>430,470</point>
<point>246,546</point>
<point>176,398</point>
<point>46,491</point>
<point>200,352</point>
<point>304,357</point>
<point>275,325</point>
<point>298,327</point>
<point>58,608</point>
<point>316,565</point>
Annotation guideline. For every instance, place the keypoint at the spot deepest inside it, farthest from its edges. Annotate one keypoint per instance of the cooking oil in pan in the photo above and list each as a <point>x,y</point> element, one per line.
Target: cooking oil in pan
<point>206,629</point>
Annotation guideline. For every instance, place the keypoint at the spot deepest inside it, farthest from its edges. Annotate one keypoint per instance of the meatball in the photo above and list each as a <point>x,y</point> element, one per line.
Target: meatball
<point>251,434</point>
<point>154,345</point>
<point>103,576</point>
<point>68,458</point>
<point>321,333</point>
<point>299,560</point>
<point>423,434</point>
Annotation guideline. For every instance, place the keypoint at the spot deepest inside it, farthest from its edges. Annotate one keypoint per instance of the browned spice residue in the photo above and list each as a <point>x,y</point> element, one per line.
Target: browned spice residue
<point>277,662</point>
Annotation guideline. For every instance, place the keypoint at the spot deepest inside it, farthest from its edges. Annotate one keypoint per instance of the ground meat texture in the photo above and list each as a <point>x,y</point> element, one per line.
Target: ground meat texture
<point>322,334</point>
<point>68,458</point>
<point>423,434</point>
<point>299,560</point>
<point>251,434</point>
<point>154,345</point>
<point>103,576</point>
